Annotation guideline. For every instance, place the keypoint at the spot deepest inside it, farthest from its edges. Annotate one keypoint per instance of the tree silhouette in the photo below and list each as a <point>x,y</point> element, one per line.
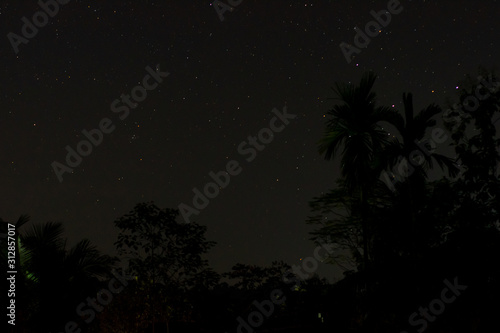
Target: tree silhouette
<point>354,126</point>
<point>167,258</point>
<point>417,152</point>
<point>52,279</point>
<point>450,227</point>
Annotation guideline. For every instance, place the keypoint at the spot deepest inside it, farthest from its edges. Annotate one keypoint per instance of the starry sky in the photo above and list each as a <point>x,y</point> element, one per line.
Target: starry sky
<point>225,78</point>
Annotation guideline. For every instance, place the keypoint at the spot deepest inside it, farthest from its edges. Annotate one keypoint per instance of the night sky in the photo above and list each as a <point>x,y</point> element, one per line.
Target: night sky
<point>225,78</point>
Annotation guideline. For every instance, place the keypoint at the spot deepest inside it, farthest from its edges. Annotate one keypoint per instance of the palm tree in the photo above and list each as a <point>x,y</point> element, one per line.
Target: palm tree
<point>412,129</point>
<point>59,278</point>
<point>354,125</point>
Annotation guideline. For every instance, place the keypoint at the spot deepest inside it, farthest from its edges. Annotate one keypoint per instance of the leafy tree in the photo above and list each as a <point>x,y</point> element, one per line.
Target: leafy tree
<point>477,144</point>
<point>167,258</point>
<point>337,222</point>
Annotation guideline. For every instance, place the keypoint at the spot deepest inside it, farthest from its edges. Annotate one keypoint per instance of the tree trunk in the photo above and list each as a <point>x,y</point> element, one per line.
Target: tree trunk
<point>364,226</point>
